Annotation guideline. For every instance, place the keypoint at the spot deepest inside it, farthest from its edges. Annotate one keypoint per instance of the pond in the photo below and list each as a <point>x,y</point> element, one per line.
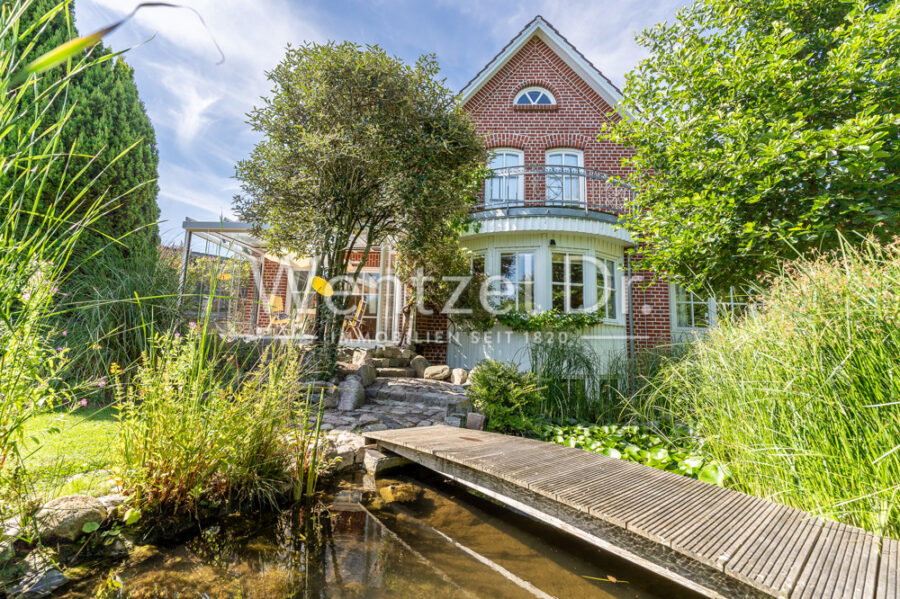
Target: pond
<point>411,534</point>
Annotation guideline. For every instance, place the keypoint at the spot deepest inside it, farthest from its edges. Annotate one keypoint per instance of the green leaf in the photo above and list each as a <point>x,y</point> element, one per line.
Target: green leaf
<point>132,516</point>
<point>90,527</point>
<point>713,474</point>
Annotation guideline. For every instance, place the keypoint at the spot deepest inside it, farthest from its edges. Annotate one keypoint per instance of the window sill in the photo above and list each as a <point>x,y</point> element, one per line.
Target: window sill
<point>536,108</point>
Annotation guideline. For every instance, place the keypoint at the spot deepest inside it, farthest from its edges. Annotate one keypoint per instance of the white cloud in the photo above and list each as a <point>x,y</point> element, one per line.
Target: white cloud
<point>602,31</point>
<point>198,108</point>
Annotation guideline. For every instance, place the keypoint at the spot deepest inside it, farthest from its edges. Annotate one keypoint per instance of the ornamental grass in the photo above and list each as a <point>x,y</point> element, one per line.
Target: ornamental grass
<point>801,397</point>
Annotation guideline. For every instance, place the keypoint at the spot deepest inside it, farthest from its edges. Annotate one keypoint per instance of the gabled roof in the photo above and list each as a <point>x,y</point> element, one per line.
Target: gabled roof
<point>547,33</point>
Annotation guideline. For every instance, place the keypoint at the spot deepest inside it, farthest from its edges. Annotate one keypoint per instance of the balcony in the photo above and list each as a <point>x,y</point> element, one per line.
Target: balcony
<point>570,188</point>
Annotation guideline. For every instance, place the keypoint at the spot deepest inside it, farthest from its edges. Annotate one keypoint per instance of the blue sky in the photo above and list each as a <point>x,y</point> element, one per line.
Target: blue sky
<point>198,108</point>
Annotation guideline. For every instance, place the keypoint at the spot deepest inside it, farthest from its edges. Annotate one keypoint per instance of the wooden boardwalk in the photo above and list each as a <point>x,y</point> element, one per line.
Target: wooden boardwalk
<point>714,541</point>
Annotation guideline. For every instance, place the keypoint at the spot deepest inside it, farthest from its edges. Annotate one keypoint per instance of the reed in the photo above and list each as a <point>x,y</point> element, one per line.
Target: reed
<point>802,399</point>
<point>195,433</point>
<point>576,381</point>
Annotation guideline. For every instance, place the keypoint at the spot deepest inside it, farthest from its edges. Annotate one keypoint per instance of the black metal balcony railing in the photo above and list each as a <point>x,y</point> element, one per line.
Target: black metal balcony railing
<point>553,185</point>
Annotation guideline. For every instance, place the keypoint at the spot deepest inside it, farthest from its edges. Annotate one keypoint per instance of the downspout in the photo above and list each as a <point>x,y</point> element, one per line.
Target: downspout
<point>630,309</point>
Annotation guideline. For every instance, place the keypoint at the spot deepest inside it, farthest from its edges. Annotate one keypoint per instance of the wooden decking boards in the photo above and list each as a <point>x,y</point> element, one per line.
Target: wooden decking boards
<point>719,542</point>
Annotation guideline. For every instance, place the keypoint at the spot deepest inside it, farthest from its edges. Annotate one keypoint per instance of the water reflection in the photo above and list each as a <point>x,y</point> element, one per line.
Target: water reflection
<point>397,537</point>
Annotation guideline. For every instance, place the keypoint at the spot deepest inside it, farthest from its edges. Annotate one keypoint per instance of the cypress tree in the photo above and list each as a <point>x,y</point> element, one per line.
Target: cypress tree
<point>107,118</point>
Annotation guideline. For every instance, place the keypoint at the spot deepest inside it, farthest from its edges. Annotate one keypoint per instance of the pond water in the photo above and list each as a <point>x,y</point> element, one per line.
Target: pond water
<point>407,535</point>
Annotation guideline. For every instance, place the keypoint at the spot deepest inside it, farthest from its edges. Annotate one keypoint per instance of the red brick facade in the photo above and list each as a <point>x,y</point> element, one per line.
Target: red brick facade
<point>274,283</point>
<point>430,338</point>
<point>574,122</point>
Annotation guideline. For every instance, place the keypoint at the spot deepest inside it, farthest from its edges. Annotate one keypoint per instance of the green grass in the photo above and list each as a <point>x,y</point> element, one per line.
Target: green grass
<point>70,451</point>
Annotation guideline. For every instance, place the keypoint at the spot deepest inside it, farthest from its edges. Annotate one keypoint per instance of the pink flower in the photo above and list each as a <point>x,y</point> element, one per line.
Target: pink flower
<point>102,382</point>
<point>192,324</point>
<point>177,335</point>
<point>59,348</point>
<point>27,295</point>
<point>84,403</point>
<point>65,333</point>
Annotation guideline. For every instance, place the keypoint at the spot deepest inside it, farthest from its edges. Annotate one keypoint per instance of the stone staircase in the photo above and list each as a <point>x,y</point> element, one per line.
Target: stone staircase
<point>398,395</point>
<point>393,362</point>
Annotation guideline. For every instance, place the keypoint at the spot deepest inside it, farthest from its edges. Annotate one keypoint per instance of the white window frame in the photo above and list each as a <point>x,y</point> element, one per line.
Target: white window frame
<point>482,254</point>
<point>534,273</point>
<point>673,305</point>
<point>567,276</point>
<point>520,178</point>
<point>617,311</point>
<point>582,187</point>
<point>534,88</point>
<point>712,308</point>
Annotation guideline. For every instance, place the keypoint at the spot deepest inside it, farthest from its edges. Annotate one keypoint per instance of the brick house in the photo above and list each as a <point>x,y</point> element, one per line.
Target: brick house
<point>547,222</point>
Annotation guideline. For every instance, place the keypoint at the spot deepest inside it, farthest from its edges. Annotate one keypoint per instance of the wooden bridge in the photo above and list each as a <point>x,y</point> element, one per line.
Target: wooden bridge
<point>717,542</point>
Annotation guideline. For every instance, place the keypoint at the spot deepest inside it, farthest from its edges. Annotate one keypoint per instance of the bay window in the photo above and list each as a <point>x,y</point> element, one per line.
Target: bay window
<point>518,288</point>
<point>567,282</point>
<point>606,288</point>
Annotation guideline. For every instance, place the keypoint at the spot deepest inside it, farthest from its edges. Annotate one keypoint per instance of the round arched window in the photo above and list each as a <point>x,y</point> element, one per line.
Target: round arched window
<point>534,96</point>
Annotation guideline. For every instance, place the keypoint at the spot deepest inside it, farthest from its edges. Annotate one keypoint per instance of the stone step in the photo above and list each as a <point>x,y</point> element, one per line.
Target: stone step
<point>390,362</point>
<point>395,372</point>
<point>452,398</point>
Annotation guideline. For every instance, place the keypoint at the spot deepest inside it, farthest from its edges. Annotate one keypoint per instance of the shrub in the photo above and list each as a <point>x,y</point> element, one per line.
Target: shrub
<point>509,399</point>
<point>800,400</point>
<point>194,434</point>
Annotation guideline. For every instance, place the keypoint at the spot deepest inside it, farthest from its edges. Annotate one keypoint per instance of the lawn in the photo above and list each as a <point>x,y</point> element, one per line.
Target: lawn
<point>70,451</point>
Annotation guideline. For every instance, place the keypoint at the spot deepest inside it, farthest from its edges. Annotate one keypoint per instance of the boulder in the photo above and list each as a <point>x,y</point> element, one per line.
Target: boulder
<point>344,445</point>
<point>63,518</point>
<point>400,492</point>
<point>352,394</point>
<point>458,376</point>
<point>392,352</point>
<point>40,577</point>
<point>361,355</point>
<point>324,389</point>
<point>437,373</point>
<point>419,364</point>
<point>112,503</point>
<point>375,461</point>
<point>407,354</point>
<point>367,374</point>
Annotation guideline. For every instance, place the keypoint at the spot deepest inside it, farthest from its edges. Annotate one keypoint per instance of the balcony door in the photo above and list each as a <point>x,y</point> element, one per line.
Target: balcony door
<point>506,185</point>
<point>565,183</point>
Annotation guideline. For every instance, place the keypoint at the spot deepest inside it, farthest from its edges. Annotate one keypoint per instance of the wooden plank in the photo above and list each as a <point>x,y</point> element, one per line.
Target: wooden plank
<point>889,570</point>
<point>772,548</point>
<point>843,564</point>
<point>685,506</point>
<point>772,556</point>
<point>723,530</point>
<point>461,454</point>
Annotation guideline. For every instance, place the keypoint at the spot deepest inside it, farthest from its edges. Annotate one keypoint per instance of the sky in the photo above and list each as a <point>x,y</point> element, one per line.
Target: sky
<point>198,107</point>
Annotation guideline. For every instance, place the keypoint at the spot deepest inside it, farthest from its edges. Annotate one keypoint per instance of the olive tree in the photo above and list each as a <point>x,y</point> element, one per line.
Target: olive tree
<point>358,148</point>
<point>762,130</point>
